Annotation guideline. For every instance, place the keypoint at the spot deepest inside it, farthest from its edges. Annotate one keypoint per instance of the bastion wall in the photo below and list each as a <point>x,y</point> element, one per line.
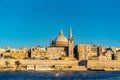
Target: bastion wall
<point>41,62</point>
<point>103,64</point>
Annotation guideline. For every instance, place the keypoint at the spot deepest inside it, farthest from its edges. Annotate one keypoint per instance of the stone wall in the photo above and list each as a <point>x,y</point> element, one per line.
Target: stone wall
<point>103,64</point>
<point>41,62</point>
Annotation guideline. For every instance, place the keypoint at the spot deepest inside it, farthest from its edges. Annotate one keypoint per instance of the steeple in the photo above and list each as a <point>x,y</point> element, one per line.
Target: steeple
<point>70,31</point>
<point>70,36</point>
<point>70,44</point>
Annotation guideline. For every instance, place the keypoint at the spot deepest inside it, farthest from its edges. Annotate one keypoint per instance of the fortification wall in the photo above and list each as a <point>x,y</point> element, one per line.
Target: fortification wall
<point>41,62</point>
<point>103,64</point>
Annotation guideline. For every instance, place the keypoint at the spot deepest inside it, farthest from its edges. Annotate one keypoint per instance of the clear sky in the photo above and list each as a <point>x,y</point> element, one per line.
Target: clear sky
<point>34,22</point>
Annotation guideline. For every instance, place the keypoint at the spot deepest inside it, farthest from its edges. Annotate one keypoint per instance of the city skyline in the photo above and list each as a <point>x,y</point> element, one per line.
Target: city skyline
<point>30,23</point>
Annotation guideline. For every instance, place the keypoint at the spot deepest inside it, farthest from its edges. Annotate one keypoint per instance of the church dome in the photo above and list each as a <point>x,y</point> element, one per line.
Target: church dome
<point>61,40</point>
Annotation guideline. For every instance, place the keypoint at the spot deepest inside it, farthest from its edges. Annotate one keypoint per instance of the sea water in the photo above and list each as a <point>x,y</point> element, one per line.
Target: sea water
<point>89,75</point>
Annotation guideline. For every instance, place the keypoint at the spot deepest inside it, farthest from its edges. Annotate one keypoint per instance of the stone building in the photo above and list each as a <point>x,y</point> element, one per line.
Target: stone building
<point>104,48</point>
<point>62,48</point>
<point>21,53</point>
<point>12,53</point>
<point>63,45</point>
<point>38,52</point>
<point>108,55</point>
<point>117,55</point>
<point>87,52</point>
<point>55,53</point>
<point>82,51</point>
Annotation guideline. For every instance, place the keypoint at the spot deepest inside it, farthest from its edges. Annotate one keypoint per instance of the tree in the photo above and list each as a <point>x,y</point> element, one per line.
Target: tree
<point>17,63</point>
<point>7,63</point>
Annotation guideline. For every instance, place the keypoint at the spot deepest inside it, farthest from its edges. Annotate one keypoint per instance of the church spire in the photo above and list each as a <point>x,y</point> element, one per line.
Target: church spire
<point>70,31</point>
<point>70,36</point>
<point>70,44</point>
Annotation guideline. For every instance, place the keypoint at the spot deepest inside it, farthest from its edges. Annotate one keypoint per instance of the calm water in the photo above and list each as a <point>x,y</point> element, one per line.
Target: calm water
<point>60,75</point>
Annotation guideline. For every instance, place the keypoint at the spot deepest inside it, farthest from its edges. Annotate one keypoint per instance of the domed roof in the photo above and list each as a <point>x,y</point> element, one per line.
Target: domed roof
<point>61,40</point>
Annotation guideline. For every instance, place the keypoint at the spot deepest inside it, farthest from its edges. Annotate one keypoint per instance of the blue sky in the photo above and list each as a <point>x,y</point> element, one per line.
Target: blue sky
<point>34,22</point>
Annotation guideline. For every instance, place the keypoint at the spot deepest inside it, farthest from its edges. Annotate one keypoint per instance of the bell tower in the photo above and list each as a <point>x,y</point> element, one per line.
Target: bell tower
<point>70,44</point>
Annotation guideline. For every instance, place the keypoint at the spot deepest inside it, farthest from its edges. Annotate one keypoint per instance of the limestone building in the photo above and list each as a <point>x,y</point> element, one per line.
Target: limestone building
<point>66,46</point>
<point>87,52</point>
<point>12,53</point>
<point>38,52</point>
<point>106,56</point>
<point>60,47</point>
